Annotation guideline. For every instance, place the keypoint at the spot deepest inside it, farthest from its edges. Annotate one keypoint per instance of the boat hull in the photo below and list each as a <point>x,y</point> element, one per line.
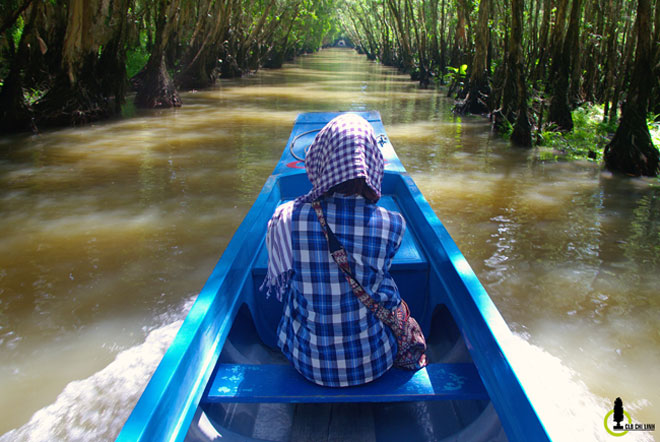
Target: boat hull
<point>233,322</point>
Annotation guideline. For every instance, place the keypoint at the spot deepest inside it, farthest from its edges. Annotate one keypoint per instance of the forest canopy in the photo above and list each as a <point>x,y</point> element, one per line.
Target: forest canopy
<point>525,64</point>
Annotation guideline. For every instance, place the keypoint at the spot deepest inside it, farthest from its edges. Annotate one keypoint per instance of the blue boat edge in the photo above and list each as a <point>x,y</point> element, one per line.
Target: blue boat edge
<point>168,404</point>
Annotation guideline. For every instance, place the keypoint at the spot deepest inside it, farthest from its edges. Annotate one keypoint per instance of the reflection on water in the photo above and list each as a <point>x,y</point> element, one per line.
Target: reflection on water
<point>570,256</point>
<point>110,230</point>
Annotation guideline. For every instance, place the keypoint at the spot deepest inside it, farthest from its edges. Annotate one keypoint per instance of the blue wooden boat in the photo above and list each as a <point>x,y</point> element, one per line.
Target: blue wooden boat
<point>223,378</point>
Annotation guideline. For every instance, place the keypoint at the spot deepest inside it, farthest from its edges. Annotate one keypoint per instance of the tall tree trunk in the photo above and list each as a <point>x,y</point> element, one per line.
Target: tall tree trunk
<point>113,57</point>
<point>655,100</point>
<point>477,100</point>
<point>79,93</point>
<point>522,129</point>
<point>460,35</point>
<point>15,112</point>
<point>575,78</point>
<point>423,73</point>
<point>200,61</point>
<point>631,151</point>
<point>560,111</point>
<point>610,58</point>
<point>443,40</point>
<point>248,50</point>
<point>594,57</point>
<point>540,48</point>
<point>556,42</point>
<point>157,90</point>
<point>194,73</point>
<point>534,31</point>
<point>620,80</point>
<point>435,42</point>
<point>402,36</point>
<point>505,115</point>
<point>9,16</point>
<point>280,50</point>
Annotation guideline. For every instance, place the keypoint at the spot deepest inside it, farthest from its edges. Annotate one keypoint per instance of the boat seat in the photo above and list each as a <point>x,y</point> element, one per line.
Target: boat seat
<point>281,383</point>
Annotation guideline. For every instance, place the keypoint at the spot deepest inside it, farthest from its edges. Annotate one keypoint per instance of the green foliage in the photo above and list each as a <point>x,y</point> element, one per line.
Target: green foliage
<point>32,95</point>
<point>137,57</point>
<point>654,128</point>
<point>456,74</point>
<point>315,25</point>
<point>587,140</point>
<point>506,128</point>
<point>17,31</point>
<point>589,137</point>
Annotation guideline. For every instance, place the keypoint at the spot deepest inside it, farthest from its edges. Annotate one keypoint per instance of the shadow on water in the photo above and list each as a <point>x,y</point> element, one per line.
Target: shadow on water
<point>110,230</point>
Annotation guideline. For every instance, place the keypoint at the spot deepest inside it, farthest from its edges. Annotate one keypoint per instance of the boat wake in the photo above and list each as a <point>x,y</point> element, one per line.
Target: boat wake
<point>570,411</point>
<point>96,408</point>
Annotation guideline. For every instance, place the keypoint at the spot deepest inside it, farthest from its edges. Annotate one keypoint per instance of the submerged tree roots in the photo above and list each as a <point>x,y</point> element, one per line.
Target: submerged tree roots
<point>631,151</point>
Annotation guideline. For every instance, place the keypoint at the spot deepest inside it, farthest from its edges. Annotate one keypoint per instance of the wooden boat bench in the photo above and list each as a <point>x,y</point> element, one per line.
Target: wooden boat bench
<point>282,383</point>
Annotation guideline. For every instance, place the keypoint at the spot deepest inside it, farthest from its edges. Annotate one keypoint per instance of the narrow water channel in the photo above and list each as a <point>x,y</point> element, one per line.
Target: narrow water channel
<point>110,230</point>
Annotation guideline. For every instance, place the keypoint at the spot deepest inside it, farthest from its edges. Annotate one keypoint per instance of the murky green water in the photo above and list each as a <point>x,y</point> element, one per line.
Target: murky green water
<point>109,231</point>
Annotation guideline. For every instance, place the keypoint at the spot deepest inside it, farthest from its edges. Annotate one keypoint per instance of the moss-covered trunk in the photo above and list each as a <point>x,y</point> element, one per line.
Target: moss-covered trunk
<point>631,151</point>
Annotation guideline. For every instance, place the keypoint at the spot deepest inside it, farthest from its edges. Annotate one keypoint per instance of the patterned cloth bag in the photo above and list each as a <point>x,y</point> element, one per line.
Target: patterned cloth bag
<point>410,339</point>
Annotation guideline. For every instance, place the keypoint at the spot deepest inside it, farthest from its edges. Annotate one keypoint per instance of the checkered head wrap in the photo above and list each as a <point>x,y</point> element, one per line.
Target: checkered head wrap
<point>345,149</point>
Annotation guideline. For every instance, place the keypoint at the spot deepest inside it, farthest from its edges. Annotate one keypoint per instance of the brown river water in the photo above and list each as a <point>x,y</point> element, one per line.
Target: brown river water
<point>108,232</point>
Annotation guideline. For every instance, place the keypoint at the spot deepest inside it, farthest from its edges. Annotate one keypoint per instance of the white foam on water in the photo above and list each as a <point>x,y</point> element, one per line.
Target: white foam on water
<point>95,409</point>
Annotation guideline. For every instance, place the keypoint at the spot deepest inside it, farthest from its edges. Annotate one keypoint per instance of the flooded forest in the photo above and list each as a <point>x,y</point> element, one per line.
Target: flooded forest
<point>135,135</point>
<point>525,65</point>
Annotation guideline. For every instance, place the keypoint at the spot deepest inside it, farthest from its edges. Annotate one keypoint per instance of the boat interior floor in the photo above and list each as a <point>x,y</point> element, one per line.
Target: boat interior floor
<point>464,420</point>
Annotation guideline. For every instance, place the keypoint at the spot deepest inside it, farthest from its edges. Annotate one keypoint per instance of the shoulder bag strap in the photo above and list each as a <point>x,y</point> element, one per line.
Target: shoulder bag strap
<point>341,258</point>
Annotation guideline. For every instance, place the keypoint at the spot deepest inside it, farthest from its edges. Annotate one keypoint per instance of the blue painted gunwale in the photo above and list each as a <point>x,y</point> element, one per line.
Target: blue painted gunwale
<point>168,404</point>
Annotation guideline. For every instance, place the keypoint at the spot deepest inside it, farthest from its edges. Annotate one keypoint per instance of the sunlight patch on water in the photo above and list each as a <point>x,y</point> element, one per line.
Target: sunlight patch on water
<point>376,74</point>
<point>616,353</point>
<point>307,74</point>
<point>293,92</point>
<point>357,83</point>
<point>241,114</point>
<point>571,411</point>
<point>105,223</point>
<point>419,132</point>
<point>401,95</point>
<point>66,227</point>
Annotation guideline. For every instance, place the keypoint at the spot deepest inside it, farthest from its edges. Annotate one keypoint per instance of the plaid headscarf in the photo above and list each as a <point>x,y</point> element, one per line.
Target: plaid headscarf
<point>345,149</point>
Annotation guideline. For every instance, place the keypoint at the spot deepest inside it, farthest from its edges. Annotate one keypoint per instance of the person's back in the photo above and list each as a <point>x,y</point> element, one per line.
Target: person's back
<point>325,331</point>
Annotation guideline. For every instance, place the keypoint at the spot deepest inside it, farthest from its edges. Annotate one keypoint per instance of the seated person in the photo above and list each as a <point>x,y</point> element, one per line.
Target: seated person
<point>329,336</point>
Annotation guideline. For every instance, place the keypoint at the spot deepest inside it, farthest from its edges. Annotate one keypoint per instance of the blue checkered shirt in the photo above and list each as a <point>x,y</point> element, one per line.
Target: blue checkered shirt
<point>325,331</point>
